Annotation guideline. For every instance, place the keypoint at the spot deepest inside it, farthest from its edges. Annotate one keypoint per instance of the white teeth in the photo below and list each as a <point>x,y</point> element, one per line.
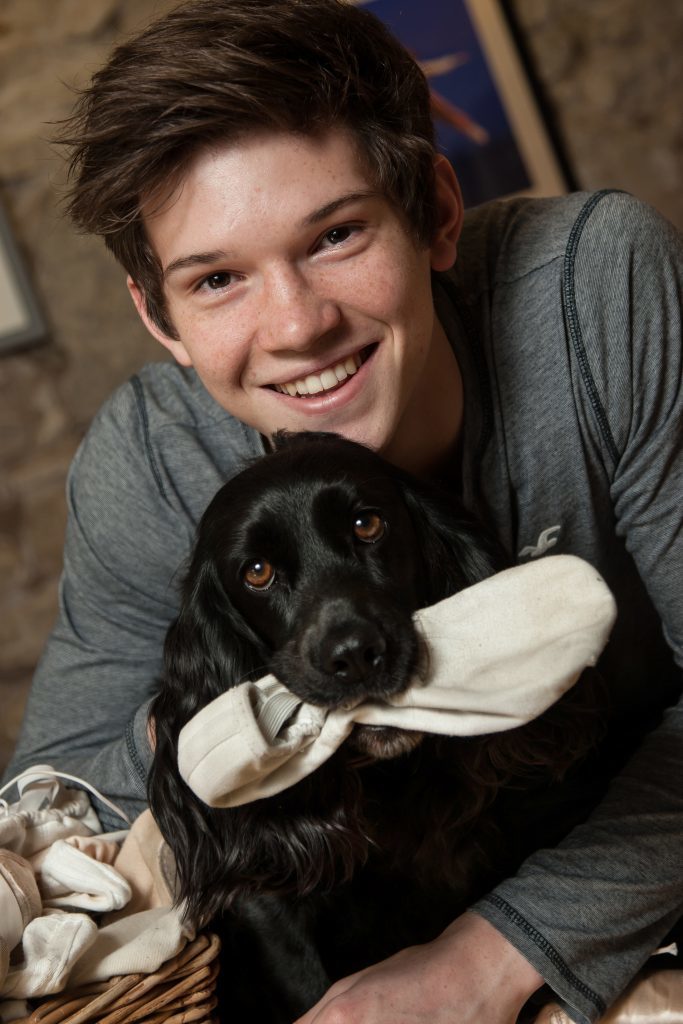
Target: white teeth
<point>314,383</point>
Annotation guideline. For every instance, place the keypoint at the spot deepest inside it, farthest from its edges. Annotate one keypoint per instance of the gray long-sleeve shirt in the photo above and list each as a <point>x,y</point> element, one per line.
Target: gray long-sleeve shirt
<point>565,319</point>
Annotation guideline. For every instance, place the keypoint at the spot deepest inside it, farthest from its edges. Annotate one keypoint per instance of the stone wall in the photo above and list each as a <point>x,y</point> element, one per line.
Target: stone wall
<point>611,77</point>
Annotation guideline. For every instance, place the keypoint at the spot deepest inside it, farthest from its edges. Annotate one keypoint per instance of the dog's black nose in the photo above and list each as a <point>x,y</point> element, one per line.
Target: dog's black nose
<point>354,656</point>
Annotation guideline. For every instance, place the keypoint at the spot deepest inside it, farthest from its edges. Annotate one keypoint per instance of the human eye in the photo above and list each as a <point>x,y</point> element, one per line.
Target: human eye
<point>338,236</point>
<point>218,281</point>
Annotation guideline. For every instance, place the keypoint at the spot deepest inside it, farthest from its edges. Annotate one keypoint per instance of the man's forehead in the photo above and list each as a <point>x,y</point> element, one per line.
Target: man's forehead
<point>198,163</point>
<point>241,188</point>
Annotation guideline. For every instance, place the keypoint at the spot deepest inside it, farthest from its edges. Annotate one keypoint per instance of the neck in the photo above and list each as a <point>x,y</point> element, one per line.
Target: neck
<point>426,441</point>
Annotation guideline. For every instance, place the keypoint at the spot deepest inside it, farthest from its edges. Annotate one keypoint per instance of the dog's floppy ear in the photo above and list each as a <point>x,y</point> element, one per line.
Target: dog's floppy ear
<point>208,649</point>
<point>456,550</point>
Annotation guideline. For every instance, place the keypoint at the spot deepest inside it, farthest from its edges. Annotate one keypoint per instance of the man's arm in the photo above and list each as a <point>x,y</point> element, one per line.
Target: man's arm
<point>470,968</point>
<point>86,713</point>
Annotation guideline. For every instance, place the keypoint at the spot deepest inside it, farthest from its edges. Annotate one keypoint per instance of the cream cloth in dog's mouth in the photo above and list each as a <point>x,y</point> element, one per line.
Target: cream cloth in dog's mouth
<point>500,653</point>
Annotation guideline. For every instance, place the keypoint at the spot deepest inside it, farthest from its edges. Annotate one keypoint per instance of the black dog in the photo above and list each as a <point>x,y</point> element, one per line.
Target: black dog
<point>310,564</point>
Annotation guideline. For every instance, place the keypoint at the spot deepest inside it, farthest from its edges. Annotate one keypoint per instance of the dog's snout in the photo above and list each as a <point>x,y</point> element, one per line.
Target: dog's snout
<point>355,654</point>
<point>353,646</point>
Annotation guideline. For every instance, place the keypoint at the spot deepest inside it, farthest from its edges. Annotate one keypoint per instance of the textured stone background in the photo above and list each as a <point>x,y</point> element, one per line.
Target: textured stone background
<point>611,75</point>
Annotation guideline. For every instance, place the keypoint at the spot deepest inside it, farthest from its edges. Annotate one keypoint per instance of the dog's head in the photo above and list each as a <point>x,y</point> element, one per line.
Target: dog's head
<point>314,558</point>
<point>316,551</point>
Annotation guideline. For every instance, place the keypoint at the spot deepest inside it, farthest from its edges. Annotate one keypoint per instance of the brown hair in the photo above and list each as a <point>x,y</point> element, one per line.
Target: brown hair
<point>216,70</point>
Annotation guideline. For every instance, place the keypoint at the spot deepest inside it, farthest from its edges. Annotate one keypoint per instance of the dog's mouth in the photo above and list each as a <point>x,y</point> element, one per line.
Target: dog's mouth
<point>331,378</point>
<point>383,742</point>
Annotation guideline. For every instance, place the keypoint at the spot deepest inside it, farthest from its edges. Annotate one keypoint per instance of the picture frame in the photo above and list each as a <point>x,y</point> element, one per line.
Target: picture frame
<point>21,320</point>
<point>488,121</point>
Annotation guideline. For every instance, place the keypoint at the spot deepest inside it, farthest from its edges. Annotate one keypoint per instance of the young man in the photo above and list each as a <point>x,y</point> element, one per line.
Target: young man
<point>265,172</point>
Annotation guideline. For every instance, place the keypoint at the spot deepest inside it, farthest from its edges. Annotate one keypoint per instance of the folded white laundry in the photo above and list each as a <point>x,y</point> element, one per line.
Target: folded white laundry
<point>141,942</point>
<point>69,878</point>
<point>59,948</point>
<point>46,811</point>
<point>499,654</point>
<point>46,824</point>
<point>51,945</point>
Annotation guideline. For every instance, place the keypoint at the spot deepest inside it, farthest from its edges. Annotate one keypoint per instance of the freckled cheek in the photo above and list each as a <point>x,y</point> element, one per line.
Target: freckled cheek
<point>220,351</point>
<point>381,290</point>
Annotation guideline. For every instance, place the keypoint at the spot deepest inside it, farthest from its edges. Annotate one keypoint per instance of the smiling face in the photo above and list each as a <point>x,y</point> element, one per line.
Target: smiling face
<point>302,300</point>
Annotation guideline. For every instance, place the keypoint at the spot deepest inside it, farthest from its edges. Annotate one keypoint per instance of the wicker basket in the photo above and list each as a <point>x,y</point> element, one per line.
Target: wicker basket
<point>183,990</point>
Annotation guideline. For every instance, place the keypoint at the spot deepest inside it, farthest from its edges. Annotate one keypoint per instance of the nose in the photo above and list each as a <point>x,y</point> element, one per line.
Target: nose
<point>355,655</point>
<point>294,314</point>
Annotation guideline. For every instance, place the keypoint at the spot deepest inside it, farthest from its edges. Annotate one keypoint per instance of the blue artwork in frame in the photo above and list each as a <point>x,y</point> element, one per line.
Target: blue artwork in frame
<point>485,115</point>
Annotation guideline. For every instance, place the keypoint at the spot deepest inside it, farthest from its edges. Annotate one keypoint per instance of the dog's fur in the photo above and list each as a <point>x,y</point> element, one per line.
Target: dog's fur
<point>389,840</point>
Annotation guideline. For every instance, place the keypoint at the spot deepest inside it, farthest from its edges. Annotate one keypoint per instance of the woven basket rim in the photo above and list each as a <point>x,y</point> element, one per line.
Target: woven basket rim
<point>181,990</point>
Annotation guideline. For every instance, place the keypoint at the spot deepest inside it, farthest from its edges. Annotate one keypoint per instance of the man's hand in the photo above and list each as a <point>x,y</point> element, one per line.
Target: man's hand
<point>469,974</point>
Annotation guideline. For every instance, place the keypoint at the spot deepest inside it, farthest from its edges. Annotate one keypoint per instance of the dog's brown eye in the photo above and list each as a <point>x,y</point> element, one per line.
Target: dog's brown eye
<point>259,575</point>
<point>369,527</point>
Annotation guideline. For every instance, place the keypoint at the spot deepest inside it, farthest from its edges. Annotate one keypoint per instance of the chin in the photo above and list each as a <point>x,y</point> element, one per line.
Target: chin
<point>383,742</point>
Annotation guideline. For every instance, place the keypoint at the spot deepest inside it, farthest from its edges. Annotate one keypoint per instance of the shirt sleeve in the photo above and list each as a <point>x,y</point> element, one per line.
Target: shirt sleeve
<point>588,913</point>
<point>125,545</point>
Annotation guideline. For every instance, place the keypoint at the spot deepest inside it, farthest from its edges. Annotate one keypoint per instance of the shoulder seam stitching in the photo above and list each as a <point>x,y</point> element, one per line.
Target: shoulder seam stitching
<point>140,402</point>
<point>135,758</point>
<point>572,320</point>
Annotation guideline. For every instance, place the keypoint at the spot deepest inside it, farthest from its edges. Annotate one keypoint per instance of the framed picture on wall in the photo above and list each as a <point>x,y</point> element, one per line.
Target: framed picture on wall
<point>21,322</point>
<point>487,120</point>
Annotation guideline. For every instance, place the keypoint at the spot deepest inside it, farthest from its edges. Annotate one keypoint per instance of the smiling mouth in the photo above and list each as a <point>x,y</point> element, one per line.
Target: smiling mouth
<point>331,378</point>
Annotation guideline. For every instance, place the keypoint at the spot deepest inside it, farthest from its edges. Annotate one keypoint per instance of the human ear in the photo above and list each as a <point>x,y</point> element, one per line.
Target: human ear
<point>444,245</point>
<point>175,347</point>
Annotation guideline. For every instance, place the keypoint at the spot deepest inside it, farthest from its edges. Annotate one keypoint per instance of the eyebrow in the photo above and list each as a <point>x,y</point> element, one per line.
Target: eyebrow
<point>197,259</point>
<point>200,259</point>
<point>336,204</point>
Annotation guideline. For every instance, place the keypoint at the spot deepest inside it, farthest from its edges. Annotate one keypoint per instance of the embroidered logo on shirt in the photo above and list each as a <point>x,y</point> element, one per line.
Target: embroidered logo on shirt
<point>546,540</point>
